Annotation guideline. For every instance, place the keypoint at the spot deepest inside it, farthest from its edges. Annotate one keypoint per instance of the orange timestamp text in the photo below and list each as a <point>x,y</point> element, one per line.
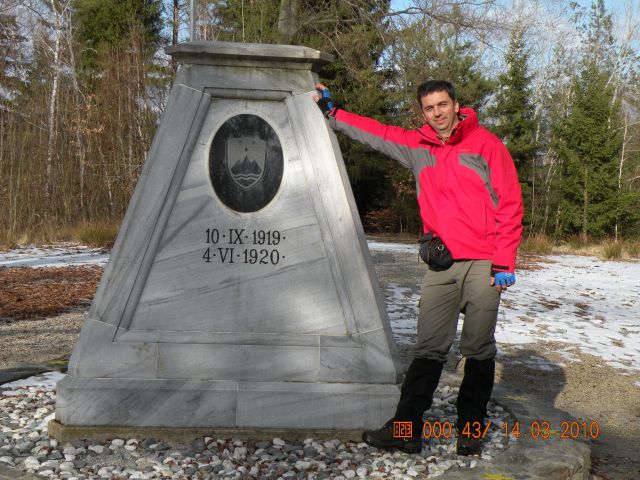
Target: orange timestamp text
<point>542,429</point>
<point>439,429</point>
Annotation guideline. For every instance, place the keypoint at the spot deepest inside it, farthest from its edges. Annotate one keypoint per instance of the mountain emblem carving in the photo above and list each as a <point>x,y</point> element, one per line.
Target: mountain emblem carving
<point>246,160</point>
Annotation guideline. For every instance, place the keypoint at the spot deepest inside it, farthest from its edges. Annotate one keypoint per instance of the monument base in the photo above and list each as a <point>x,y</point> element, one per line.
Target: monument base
<point>71,433</point>
<point>90,402</point>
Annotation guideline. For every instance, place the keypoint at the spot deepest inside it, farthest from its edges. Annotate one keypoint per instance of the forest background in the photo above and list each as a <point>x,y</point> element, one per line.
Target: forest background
<point>84,82</point>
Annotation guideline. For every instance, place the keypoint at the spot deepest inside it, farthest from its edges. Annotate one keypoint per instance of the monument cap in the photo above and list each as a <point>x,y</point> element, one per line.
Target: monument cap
<point>219,53</point>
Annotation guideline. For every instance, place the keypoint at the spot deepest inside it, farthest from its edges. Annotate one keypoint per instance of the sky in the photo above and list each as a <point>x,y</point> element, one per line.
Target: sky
<point>613,5</point>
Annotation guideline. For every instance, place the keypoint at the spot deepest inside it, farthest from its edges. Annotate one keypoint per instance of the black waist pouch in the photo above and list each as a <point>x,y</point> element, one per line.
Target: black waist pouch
<point>434,252</point>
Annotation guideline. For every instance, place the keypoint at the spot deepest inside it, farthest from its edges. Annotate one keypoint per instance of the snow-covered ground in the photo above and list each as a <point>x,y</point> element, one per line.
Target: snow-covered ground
<point>582,303</point>
<point>61,255</point>
<point>585,304</point>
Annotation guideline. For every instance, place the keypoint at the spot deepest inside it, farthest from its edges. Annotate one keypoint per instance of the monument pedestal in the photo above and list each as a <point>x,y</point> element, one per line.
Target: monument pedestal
<point>240,292</point>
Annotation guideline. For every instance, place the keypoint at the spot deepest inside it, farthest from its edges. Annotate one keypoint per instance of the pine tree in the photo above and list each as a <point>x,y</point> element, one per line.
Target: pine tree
<point>514,113</point>
<point>589,140</point>
<point>589,146</point>
<point>12,57</point>
<point>427,49</point>
<point>513,110</point>
<point>105,23</point>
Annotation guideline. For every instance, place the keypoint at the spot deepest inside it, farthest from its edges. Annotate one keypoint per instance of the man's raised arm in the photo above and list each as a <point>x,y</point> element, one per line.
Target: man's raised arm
<point>390,140</point>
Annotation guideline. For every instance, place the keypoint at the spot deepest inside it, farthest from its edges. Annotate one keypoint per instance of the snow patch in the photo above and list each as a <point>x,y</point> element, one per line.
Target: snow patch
<point>61,255</point>
<point>46,381</point>
<point>392,247</point>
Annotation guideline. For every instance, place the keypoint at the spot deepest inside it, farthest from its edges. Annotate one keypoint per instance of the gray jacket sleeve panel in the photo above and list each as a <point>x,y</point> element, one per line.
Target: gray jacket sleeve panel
<point>386,139</point>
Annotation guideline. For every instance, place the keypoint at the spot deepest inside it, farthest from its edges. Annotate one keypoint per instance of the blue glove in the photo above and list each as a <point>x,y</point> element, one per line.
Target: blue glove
<point>505,279</point>
<point>326,103</point>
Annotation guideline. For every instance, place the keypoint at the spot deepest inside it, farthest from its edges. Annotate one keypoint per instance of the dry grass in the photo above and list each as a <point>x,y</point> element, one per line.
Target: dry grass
<point>606,248</point>
<point>633,248</point>
<point>612,250</point>
<point>97,234</point>
<point>537,244</point>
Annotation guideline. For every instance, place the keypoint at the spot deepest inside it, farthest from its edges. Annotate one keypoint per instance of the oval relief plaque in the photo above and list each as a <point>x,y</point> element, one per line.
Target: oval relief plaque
<point>246,163</point>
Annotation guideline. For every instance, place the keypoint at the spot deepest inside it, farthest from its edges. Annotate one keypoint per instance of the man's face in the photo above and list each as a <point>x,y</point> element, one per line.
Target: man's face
<point>439,111</point>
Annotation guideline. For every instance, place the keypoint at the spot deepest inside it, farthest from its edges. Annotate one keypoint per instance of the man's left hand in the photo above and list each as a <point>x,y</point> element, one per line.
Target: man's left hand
<point>503,280</point>
<point>325,103</point>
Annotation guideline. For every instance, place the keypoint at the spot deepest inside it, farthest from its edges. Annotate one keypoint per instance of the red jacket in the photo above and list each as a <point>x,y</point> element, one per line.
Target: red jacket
<point>468,189</point>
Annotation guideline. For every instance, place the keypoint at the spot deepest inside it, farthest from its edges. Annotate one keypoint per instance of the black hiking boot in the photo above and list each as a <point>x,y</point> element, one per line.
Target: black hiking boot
<point>384,438</point>
<point>469,446</point>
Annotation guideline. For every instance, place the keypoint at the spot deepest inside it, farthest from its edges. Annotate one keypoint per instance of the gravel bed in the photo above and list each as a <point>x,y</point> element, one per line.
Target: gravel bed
<point>24,444</point>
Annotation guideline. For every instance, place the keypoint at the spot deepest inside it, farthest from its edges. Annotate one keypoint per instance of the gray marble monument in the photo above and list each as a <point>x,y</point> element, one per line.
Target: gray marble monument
<point>240,292</point>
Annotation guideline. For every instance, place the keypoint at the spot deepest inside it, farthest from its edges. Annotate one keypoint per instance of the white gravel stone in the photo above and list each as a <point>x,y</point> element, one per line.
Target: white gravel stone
<point>240,452</point>
<point>349,473</point>
<point>278,442</point>
<point>68,448</point>
<point>31,463</point>
<point>96,448</point>
<point>302,465</point>
<point>117,442</point>
<point>50,464</point>
<point>67,466</point>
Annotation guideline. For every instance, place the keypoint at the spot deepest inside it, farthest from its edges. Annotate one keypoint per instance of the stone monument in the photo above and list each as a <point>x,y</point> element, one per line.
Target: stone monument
<point>240,292</point>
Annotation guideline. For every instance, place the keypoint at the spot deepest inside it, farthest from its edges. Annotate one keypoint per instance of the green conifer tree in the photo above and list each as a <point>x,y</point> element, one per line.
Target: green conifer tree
<point>589,139</point>
<point>589,144</point>
<point>102,24</point>
<point>513,114</point>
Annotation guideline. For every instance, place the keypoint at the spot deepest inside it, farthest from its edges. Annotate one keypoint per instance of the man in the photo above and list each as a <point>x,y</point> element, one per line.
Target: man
<point>471,205</point>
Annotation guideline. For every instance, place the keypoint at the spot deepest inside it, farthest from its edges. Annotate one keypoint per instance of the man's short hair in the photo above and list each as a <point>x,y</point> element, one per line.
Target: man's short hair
<point>431,86</point>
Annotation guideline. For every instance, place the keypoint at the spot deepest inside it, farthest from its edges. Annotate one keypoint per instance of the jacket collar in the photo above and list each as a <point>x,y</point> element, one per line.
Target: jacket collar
<point>467,124</point>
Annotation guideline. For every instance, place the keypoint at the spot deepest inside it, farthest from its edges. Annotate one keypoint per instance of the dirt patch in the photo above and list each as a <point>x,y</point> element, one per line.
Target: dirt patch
<point>530,261</point>
<point>43,292</point>
<point>39,341</point>
<point>588,391</point>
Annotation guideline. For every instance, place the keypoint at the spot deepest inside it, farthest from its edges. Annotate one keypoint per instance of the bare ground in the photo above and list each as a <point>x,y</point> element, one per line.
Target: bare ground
<point>587,391</point>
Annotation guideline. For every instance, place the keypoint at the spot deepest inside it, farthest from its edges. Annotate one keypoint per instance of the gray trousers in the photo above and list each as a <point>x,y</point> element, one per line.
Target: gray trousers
<point>464,287</point>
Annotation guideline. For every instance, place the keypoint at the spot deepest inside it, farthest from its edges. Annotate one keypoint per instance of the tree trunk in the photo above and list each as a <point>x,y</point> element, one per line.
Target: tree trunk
<point>175,28</point>
<point>51,124</point>
<point>288,20</point>
<point>624,145</point>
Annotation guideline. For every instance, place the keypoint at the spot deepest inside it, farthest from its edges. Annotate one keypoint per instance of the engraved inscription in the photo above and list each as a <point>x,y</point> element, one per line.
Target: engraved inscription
<point>239,245</point>
<point>246,163</point>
